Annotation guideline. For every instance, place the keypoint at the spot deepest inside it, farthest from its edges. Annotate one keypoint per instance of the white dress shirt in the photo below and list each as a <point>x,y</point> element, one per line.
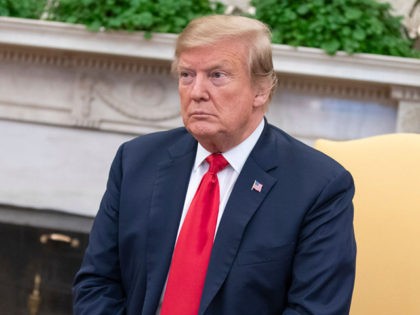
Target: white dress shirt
<point>236,158</point>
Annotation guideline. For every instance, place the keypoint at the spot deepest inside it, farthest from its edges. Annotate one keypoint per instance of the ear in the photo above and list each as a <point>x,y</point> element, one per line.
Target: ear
<point>262,95</point>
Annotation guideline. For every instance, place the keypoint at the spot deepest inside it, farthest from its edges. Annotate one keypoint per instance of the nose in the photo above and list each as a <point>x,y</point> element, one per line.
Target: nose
<point>199,89</point>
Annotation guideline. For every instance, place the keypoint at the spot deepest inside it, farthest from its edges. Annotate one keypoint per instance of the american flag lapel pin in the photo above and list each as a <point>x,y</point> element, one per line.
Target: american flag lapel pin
<point>257,186</point>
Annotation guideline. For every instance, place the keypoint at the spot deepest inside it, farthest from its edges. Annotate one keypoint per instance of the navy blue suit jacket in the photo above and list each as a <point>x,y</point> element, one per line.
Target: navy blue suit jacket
<point>288,249</point>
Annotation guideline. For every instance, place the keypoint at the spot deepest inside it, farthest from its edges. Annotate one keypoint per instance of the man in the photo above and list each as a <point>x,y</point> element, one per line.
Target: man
<point>281,236</point>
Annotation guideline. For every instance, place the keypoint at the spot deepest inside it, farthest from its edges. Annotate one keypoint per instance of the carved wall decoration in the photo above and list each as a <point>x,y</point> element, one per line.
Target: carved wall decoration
<point>75,90</point>
<point>408,109</point>
<point>406,93</point>
<point>408,117</point>
<point>82,105</point>
<point>86,88</point>
<point>125,98</point>
<point>146,102</point>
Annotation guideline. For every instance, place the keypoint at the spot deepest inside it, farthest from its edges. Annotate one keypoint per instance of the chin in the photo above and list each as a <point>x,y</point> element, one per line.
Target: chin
<point>201,130</point>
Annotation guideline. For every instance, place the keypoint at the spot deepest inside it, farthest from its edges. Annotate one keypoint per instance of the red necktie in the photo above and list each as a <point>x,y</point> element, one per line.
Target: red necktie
<point>193,247</point>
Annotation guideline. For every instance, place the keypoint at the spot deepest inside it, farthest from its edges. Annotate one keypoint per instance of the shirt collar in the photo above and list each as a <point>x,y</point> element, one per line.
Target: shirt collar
<point>235,156</point>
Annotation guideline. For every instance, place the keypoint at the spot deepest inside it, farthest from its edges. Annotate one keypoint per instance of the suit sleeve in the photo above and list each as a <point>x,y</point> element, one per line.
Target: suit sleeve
<point>324,263</point>
<point>97,287</point>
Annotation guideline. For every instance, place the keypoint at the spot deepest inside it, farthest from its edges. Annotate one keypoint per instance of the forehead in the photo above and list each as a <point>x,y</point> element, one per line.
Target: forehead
<point>220,54</point>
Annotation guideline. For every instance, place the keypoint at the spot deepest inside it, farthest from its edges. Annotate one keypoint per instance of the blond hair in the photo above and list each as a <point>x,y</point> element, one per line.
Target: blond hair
<point>208,30</point>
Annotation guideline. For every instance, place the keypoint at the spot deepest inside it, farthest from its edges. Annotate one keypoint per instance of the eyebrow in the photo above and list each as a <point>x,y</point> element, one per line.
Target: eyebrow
<point>222,64</point>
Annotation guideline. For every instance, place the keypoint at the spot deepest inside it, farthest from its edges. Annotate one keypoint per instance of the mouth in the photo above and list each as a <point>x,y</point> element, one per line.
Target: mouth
<point>200,114</point>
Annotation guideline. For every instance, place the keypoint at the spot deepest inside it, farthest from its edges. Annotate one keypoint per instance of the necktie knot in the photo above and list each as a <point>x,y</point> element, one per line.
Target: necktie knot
<point>217,162</point>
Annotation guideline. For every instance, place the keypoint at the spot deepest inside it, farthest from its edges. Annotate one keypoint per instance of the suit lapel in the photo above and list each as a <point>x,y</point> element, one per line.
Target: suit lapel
<point>166,207</point>
<point>242,205</point>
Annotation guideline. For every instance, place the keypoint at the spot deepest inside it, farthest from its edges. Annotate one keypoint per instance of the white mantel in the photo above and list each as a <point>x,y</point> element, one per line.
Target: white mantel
<point>69,97</point>
<point>287,59</point>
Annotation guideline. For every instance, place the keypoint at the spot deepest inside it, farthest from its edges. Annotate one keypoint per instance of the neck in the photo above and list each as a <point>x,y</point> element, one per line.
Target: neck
<point>222,143</point>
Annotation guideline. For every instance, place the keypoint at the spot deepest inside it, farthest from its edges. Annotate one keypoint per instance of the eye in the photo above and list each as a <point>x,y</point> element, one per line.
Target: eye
<point>217,74</point>
<point>185,77</point>
<point>184,74</point>
<point>219,77</point>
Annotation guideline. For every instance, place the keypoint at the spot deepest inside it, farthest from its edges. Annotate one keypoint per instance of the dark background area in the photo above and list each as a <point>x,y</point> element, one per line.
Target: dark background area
<point>23,255</point>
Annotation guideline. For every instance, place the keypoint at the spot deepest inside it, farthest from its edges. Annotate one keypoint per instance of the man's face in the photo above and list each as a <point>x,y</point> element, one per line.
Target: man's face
<point>219,104</point>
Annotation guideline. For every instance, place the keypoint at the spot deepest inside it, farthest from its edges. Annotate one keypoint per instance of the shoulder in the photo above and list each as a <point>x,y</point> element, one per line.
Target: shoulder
<point>157,139</point>
<point>300,156</point>
<point>305,172</point>
<point>155,147</point>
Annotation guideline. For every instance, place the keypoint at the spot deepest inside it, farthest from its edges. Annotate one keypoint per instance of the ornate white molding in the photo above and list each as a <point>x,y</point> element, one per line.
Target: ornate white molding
<point>70,37</point>
<point>408,117</point>
<point>88,90</point>
<point>404,93</point>
<point>287,60</point>
<point>143,100</point>
<point>366,68</point>
<point>334,88</point>
<point>408,98</point>
<point>46,57</point>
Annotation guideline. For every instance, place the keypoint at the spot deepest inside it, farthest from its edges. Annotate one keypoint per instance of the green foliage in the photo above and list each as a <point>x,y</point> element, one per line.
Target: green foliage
<point>29,9</point>
<point>164,16</point>
<point>349,25</point>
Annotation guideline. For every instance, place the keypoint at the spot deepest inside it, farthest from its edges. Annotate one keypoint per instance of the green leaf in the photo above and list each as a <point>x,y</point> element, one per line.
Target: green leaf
<point>95,26</point>
<point>331,46</point>
<point>290,15</point>
<point>353,13</point>
<point>359,34</point>
<point>303,9</point>
<point>146,19</point>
